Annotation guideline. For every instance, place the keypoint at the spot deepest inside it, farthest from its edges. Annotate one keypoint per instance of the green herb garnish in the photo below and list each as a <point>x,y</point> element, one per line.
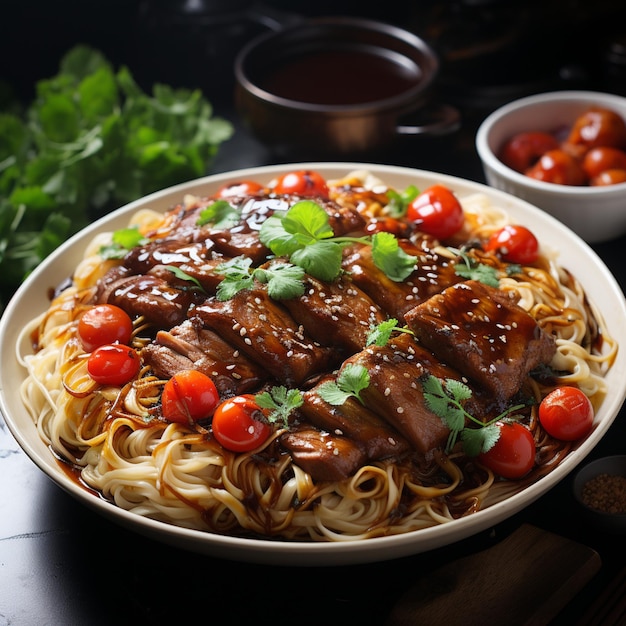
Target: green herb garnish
<point>281,402</point>
<point>399,202</point>
<point>220,214</point>
<point>352,379</point>
<point>445,399</point>
<point>472,270</point>
<point>303,234</point>
<point>122,240</point>
<point>284,280</point>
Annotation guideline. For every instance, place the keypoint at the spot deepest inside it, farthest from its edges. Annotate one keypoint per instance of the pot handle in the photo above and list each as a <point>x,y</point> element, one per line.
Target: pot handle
<point>446,120</point>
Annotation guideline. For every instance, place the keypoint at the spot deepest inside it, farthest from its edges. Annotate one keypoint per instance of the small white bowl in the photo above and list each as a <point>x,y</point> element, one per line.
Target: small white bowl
<point>595,213</point>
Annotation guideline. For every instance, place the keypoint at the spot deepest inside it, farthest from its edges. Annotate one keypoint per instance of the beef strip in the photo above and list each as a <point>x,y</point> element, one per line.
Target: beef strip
<point>353,420</point>
<point>395,391</point>
<point>484,333</point>
<point>190,346</point>
<point>323,455</point>
<point>263,330</point>
<point>153,297</point>
<point>432,275</point>
<point>335,314</point>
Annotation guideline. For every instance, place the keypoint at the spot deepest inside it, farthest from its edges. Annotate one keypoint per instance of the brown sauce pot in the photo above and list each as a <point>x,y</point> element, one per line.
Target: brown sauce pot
<point>336,87</point>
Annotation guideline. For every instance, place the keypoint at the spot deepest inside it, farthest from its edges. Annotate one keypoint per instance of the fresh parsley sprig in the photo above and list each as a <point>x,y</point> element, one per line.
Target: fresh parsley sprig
<point>445,399</point>
<point>284,280</point>
<point>380,334</point>
<point>303,234</point>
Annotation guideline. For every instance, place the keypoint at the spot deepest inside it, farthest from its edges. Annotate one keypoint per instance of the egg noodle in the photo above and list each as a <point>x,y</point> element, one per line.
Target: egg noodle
<point>179,474</point>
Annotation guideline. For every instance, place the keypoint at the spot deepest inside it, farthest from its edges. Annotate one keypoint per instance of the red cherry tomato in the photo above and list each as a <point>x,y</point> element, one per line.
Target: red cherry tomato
<point>523,150</point>
<point>437,212</point>
<point>302,183</point>
<point>598,160</point>
<point>189,396</point>
<point>114,364</point>
<point>559,167</point>
<point>609,177</point>
<point>598,127</point>
<point>515,244</point>
<point>104,324</point>
<point>240,188</point>
<point>566,414</point>
<point>239,424</point>
<point>513,454</point>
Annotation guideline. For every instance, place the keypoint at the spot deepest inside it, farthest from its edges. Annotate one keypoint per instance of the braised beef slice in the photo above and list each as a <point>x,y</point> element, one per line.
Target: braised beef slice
<point>153,297</point>
<point>484,333</point>
<point>191,346</point>
<point>323,455</point>
<point>432,275</point>
<point>353,420</point>
<point>335,314</point>
<point>395,391</point>
<point>264,331</point>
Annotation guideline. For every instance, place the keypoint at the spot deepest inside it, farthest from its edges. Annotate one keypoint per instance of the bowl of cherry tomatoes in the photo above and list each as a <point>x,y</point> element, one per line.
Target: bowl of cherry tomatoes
<point>564,152</point>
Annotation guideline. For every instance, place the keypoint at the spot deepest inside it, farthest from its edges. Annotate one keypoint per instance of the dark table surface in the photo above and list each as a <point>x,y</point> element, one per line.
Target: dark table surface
<point>61,563</point>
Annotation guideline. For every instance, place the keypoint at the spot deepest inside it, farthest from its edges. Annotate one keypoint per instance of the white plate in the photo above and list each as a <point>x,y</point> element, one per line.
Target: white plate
<point>575,255</point>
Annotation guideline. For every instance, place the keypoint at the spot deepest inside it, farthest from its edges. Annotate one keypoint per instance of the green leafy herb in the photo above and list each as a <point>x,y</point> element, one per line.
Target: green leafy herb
<point>123,240</point>
<point>182,275</point>
<point>380,334</point>
<point>472,270</point>
<point>352,379</point>
<point>445,399</point>
<point>281,401</point>
<point>399,202</point>
<point>284,280</point>
<point>90,141</point>
<point>220,214</point>
<point>304,235</point>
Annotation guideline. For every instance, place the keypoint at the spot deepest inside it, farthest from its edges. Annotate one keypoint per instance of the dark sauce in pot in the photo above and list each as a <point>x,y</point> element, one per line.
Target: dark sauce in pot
<point>341,76</point>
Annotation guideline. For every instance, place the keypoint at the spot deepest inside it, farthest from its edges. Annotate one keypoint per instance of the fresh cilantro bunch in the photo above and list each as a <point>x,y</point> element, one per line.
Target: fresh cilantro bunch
<point>91,141</point>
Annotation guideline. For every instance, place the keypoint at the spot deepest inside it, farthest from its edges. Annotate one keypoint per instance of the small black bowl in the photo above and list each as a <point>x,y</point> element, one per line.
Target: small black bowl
<point>612,466</point>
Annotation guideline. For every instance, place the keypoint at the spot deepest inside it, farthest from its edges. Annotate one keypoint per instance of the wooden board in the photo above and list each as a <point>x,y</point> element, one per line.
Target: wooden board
<point>526,579</point>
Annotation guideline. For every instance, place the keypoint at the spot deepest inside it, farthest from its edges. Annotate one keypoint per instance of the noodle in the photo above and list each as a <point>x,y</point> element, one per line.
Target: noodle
<point>179,474</point>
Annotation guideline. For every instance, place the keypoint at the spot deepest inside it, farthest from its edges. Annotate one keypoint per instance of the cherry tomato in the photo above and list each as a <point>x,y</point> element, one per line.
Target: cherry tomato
<point>189,396</point>
<point>523,150</point>
<point>566,414</point>
<point>513,454</point>
<point>239,424</point>
<point>598,127</point>
<point>609,177</point>
<point>113,364</point>
<point>559,167</point>
<point>104,324</point>
<point>239,188</point>
<point>598,160</point>
<point>302,183</point>
<point>515,244</point>
<point>437,212</point>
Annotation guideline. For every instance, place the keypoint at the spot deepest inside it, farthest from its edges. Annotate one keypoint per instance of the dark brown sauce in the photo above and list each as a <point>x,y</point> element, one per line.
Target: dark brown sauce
<point>339,77</point>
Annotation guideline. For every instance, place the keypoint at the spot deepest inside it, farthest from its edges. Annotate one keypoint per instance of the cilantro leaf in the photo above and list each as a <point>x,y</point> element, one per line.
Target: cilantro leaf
<point>445,398</point>
<point>379,335</point>
<point>472,270</point>
<point>284,280</point>
<point>399,202</point>
<point>220,214</point>
<point>352,379</point>
<point>391,258</point>
<point>281,402</point>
